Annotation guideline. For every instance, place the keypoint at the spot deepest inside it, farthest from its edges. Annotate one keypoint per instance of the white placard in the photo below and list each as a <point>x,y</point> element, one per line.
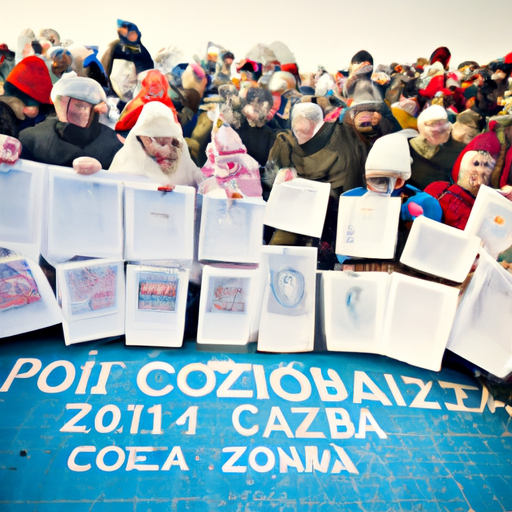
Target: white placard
<point>354,304</point>
<point>231,229</point>
<point>482,330</point>
<point>491,220</point>
<point>22,207</point>
<point>158,225</point>
<point>92,294</point>
<point>368,226</point>
<point>287,322</point>
<point>418,320</point>
<point>27,302</point>
<point>85,216</point>
<point>227,305</point>
<point>298,206</point>
<point>440,250</point>
<point>156,302</point>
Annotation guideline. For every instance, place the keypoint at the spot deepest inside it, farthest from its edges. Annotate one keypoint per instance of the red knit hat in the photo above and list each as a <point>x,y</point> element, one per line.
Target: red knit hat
<point>32,77</point>
<point>484,142</point>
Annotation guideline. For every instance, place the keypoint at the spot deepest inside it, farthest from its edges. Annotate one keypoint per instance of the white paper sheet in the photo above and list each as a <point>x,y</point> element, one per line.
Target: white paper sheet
<point>27,302</point>
<point>354,304</point>
<point>287,322</point>
<point>92,294</point>
<point>85,216</point>
<point>482,329</point>
<point>231,229</point>
<point>368,226</point>
<point>227,305</point>
<point>440,250</point>
<point>298,206</point>
<point>22,207</point>
<point>158,225</point>
<point>418,320</point>
<point>156,301</point>
<point>491,220</point>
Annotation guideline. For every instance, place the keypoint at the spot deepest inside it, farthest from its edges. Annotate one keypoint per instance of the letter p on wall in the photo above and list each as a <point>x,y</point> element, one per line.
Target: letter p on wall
<point>15,372</point>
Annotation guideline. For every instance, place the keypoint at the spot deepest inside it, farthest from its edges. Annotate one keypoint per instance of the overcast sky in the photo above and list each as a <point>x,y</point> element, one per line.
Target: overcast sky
<point>320,32</point>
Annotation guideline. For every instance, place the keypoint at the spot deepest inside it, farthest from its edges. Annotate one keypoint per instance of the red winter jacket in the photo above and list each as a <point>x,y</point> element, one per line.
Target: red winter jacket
<point>455,202</point>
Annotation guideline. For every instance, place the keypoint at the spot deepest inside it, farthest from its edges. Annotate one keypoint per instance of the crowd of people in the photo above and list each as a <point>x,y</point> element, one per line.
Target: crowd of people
<point>241,122</point>
<point>241,125</point>
<point>428,132</point>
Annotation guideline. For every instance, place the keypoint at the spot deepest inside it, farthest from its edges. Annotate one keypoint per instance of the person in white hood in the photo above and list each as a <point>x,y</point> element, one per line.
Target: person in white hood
<point>155,148</point>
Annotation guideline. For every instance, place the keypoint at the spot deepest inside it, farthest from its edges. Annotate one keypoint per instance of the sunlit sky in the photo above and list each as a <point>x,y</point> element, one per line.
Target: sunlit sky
<point>321,32</point>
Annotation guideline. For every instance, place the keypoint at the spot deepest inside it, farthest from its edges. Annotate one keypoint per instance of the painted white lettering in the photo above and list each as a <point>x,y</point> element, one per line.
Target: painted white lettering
<point>312,462</point>
<point>79,468</point>
<point>106,368</point>
<point>302,431</point>
<point>281,425</point>
<point>367,423</point>
<point>343,463</point>
<point>98,420</point>
<point>175,458</point>
<point>189,415</point>
<point>234,371</point>
<point>235,418</point>
<point>71,425</point>
<point>156,411</point>
<point>100,458</point>
<point>261,384</point>
<point>270,457</point>
<point>209,385</point>
<point>42,381</point>
<point>393,387</point>
<point>305,386</point>
<point>14,374</point>
<point>419,401</point>
<point>323,385</point>
<point>134,458</point>
<point>84,378</point>
<point>142,378</point>
<point>376,394</point>
<point>229,465</point>
<point>339,417</point>
<point>460,395</point>
<point>137,411</point>
<point>286,461</point>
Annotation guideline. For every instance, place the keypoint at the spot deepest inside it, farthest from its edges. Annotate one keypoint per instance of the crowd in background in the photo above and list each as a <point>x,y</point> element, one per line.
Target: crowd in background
<point>239,124</point>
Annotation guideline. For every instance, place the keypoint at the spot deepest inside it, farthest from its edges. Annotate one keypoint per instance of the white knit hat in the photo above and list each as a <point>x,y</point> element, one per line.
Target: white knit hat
<point>389,156</point>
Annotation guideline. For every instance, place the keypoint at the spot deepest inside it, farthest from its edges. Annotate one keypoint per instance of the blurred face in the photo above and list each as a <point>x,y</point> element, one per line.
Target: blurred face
<point>475,170</point>
<point>165,151</point>
<point>436,131</point>
<point>367,122</point>
<point>303,129</point>
<point>463,133</point>
<point>381,184</point>
<point>256,112</point>
<point>79,112</point>
<point>131,35</point>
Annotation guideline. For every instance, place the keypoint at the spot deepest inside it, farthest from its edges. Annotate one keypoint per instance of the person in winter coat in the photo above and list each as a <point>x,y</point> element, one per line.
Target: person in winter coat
<point>472,169</point>
<point>76,131</point>
<point>155,148</point>
<point>326,152</point>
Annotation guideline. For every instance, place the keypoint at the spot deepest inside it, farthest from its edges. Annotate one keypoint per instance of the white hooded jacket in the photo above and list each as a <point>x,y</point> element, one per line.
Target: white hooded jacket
<point>156,120</point>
